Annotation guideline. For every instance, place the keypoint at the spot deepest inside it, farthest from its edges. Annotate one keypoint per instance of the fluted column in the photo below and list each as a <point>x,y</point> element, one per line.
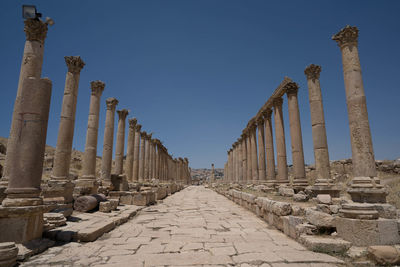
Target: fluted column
<point>88,178</point>
<point>261,150</point>
<point>143,136</point>
<point>31,66</point>
<point>119,147</point>
<point>269,147</point>
<point>65,137</point>
<point>106,160</point>
<point>130,150</point>
<point>365,184</point>
<point>136,154</point>
<point>280,142</point>
<point>299,172</point>
<point>253,150</point>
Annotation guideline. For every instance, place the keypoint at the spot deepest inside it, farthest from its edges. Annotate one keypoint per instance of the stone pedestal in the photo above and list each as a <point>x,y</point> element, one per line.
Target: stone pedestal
<point>87,184</point>
<point>106,160</point>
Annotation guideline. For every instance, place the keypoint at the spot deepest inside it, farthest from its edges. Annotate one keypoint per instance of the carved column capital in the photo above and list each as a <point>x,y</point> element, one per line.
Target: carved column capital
<point>267,113</point>
<point>138,127</point>
<point>143,134</point>
<point>111,103</point>
<point>74,64</point>
<point>260,121</point>
<point>122,114</point>
<point>35,30</point>
<point>97,87</point>
<point>132,123</point>
<point>346,36</point>
<point>278,101</point>
<point>291,88</point>
<point>312,72</point>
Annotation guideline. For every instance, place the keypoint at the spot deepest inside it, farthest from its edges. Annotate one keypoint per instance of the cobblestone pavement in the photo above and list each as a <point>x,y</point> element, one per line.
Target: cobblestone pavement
<point>194,227</point>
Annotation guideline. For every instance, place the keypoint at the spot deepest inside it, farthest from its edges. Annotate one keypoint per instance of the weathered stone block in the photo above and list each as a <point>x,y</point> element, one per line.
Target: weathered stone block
<point>8,254</point>
<point>320,219</point>
<point>139,199</point>
<point>281,208</point>
<point>105,206</point>
<point>286,191</point>
<point>384,255</point>
<point>306,228</point>
<point>324,244</point>
<point>324,199</point>
<point>368,232</point>
<point>126,199</point>
<point>114,203</point>
<point>289,225</point>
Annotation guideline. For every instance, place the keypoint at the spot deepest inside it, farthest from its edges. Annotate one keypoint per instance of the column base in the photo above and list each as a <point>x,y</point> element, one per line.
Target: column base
<point>363,211</point>
<point>366,189</point>
<point>119,182</point>
<point>21,224</point>
<point>299,185</point>
<point>324,186</point>
<point>85,187</point>
<point>58,192</point>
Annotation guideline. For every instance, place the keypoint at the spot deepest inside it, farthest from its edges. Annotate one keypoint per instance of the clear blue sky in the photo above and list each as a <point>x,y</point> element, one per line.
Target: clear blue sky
<point>195,71</point>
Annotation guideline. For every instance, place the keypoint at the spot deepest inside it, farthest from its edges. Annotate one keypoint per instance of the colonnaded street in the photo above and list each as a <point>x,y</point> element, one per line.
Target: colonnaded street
<point>194,227</point>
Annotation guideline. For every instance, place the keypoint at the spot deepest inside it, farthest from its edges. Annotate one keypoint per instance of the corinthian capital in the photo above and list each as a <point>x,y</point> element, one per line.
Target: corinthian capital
<point>260,121</point>
<point>35,30</point>
<point>143,134</point>
<point>97,87</point>
<point>346,36</point>
<point>291,88</point>
<point>74,64</point>
<point>278,101</point>
<point>138,127</point>
<point>111,103</point>
<point>312,72</point>
<point>132,123</point>
<point>267,113</point>
<point>122,114</point>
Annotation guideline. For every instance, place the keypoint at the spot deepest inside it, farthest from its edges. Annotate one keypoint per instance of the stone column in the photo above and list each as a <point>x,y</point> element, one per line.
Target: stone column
<point>87,182</point>
<point>147,157</point>
<point>323,183</point>
<point>153,159</point>
<point>280,142</point>
<point>244,157</point>
<point>299,173</point>
<point>106,160</point>
<point>269,148</point>
<point>239,160</point>
<point>143,136</point>
<point>261,150</point>
<point>249,173</point>
<point>31,66</point>
<point>119,147</point>
<point>365,186</point>
<point>21,214</point>
<point>136,153</point>
<point>227,174</point>
<point>234,158</point>
<point>156,158</point>
<point>253,150</point>
<point>130,150</point>
<point>60,183</point>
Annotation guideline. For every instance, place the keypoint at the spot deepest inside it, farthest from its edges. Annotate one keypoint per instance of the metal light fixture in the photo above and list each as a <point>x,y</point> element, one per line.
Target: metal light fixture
<point>29,12</point>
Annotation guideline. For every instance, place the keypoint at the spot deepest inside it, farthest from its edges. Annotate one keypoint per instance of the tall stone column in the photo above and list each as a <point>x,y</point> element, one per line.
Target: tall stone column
<point>153,159</point>
<point>249,174</point>
<point>299,173</point>
<point>261,150</point>
<point>234,158</point>
<point>280,142</point>
<point>365,185</point>
<point>253,150</point>
<point>157,159</point>
<point>269,148</point>
<point>142,156</point>
<point>147,152</point>
<point>239,161</point>
<point>31,66</point>
<point>87,184</point>
<point>21,214</point>
<point>60,184</point>
<point>244,157</point>
<point>323,183</point>
<point>136,153</point>
<point>119,147</point>
<point>106,160</point>
<point>130,150</point>
<point>227,174</point>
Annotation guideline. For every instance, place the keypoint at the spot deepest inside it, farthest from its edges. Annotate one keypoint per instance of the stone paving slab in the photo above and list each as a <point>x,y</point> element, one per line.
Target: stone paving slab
<point>87,227</point>
<point>194,227</point>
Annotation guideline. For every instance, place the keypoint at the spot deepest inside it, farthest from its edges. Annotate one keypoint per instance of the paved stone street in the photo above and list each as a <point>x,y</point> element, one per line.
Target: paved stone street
<point>194,227</point>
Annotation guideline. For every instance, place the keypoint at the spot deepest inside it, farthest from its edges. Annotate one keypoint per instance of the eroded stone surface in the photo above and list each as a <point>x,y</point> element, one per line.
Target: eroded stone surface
<point>194,227</point>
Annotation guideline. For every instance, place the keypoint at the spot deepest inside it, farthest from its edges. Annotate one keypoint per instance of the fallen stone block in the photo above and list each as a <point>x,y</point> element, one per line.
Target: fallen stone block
<point>126,198</point>
<point>54,219</point>
<point>139,199</point>
<point>88,203</point>
<point>324,199</point>
<point>306,228</point>
<point>324,208</point>
<point>114,203</point>
<point>286,191</point>
<point>300,197</point>
<point>324,244</point>
<point>8,254</point>
<point>384,255</point>
<point>281,208</point>
<point>289,225</point>
<point>320,219</point>
<point>105,206</point>
<point>95,231</point>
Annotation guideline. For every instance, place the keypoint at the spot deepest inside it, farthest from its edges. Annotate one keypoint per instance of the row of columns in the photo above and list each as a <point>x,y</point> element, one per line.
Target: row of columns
<point>245,165</point>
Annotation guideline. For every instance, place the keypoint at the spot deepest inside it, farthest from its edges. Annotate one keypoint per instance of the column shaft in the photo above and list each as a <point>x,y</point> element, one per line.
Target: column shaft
<point>261,150</point>
<point>119,147</point>
<point>130,150</point>
<point>280,142</point>
<point>142,156</point>
<point>269,146</point>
